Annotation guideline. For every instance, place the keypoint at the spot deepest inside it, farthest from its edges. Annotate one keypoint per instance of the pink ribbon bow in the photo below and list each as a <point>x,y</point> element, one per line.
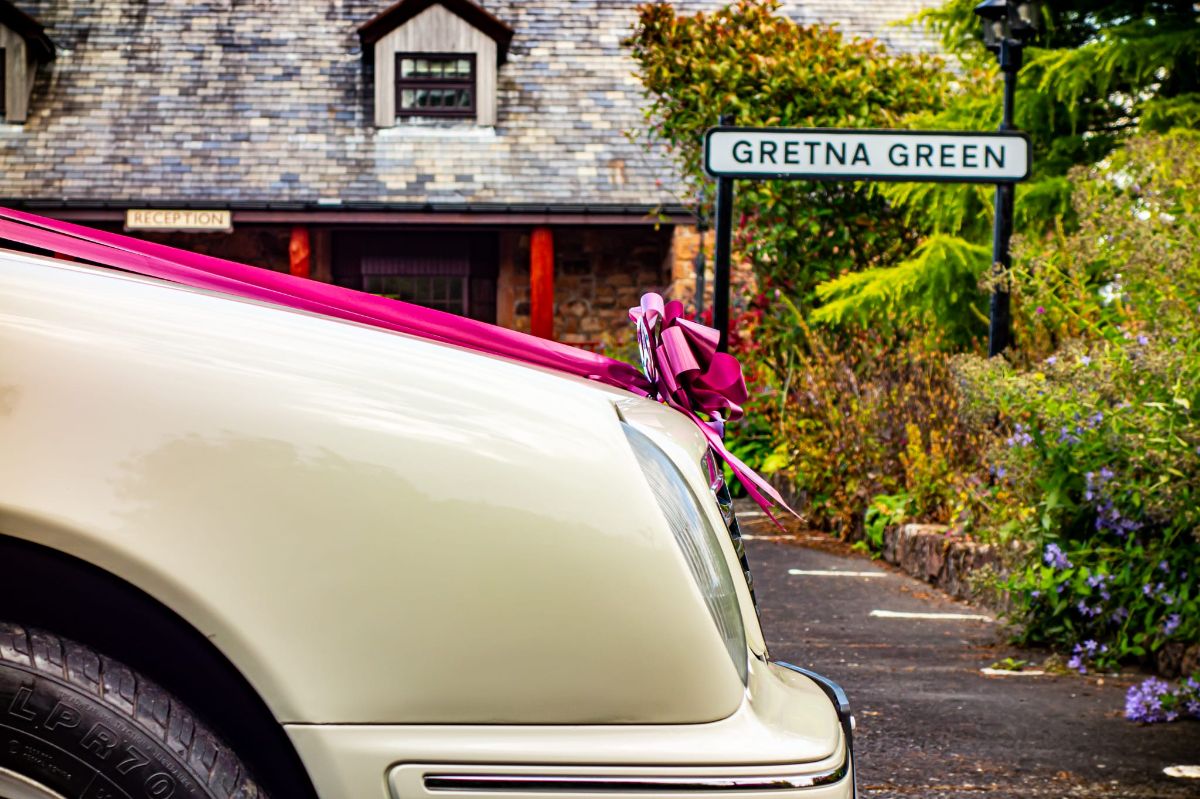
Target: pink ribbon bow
<point>680,359</point>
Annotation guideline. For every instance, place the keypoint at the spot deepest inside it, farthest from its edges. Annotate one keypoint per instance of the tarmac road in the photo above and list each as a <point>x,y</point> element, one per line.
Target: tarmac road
<point>929,723</point>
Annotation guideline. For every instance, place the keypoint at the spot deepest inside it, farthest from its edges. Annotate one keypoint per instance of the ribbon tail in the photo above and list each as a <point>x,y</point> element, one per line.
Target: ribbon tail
<point>762,492</point>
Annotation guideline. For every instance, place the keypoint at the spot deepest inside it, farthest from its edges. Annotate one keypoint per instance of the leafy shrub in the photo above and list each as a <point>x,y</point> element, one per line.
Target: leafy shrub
<point>859,415</point>
<point>760,68</point>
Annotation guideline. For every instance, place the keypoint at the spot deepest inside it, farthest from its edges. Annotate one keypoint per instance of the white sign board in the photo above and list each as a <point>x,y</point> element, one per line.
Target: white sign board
<point>828,154</point>
<point>177,219</point>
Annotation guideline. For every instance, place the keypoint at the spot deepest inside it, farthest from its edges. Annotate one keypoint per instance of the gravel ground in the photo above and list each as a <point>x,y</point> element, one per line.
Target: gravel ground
<point>930,724</point>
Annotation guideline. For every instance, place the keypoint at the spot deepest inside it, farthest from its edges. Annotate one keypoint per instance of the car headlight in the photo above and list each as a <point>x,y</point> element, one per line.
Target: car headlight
<point>698,540</point>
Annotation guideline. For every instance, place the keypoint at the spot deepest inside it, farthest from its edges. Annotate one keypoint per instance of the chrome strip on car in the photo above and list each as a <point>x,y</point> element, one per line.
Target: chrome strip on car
<point>565,783</point>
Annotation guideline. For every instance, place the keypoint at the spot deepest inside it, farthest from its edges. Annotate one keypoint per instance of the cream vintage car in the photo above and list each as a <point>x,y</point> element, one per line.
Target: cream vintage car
<point>250,551</point>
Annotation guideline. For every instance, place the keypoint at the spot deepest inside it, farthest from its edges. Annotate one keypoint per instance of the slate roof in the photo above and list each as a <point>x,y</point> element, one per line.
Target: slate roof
<point>256,101</point>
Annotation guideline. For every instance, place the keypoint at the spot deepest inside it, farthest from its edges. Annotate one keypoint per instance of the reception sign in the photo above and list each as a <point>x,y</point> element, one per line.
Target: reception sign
<point>182,219</point>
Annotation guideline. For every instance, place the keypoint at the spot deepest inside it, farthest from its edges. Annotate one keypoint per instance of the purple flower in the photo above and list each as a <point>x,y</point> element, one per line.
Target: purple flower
<point>1106,474</point>
<point>1065,436</point>
<point>1119,615</point>
<point>1144,702</point>
<point>1035,594</point>
<point>1085,361</point>
<point>1020,437</point>
<point>1054,556</point>
<point>1040,310</point>
<point>1143,340</point>
<point>1052,360</point>
<point>1171,624</point>
<point>1163,566</point>
<point>1076,662</point>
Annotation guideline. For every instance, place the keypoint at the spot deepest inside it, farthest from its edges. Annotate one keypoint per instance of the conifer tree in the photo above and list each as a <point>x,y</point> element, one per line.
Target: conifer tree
<point>1098,72</point>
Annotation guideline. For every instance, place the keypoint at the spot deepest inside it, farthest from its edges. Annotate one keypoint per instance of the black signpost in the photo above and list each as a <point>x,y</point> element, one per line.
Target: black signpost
<point>732,153</point>
<point>1007,25</point>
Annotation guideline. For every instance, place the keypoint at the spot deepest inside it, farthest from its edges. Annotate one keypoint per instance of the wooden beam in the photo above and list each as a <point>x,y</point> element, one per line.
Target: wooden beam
<point>541,282</point>
<point>506,279</point>
<point>322,258</point>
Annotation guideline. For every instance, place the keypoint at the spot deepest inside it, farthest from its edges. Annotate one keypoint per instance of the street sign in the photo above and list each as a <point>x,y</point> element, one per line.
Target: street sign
<point>848,154</point>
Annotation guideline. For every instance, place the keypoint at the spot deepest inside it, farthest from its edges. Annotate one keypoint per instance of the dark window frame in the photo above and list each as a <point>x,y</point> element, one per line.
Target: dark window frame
<point>471,84</point>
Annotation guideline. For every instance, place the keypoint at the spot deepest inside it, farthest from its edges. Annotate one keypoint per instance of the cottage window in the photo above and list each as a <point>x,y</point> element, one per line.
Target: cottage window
<point>435,84</point>
<point>24,47</point>
<point>435,59</point>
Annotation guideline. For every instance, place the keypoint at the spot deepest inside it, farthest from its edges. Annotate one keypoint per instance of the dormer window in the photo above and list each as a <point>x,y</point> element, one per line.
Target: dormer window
<point>435,60</point>
<point>435,85</point>
<point>23,46</point>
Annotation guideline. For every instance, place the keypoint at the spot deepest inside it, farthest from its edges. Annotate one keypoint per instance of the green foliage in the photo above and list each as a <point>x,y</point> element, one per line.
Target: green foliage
<point>762,69</point>
<point>940,278</point>
<point>885,510</point>
<point>1100,71</point>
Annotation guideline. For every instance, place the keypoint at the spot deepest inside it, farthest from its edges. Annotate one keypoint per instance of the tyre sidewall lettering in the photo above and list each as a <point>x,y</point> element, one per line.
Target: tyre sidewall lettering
<point>72,744</point>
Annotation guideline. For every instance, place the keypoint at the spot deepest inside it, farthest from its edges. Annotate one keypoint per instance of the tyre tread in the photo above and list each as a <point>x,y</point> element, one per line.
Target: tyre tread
<point>142,702</point>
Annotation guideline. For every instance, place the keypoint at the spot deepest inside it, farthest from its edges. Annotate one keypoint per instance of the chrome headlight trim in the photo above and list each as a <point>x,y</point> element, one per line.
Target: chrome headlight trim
<point>697,541</point>
<point>715,474</point>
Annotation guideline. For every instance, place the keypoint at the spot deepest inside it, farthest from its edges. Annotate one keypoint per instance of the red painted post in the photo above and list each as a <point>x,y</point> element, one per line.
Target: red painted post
<point>541,282</point>
<point>300,252</point>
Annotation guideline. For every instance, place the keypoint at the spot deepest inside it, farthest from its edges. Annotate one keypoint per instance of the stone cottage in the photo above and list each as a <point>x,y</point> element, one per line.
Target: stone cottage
<point>469,155</point>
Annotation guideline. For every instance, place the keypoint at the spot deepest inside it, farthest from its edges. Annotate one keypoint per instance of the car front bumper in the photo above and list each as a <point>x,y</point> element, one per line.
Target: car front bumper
<point>790,739</point>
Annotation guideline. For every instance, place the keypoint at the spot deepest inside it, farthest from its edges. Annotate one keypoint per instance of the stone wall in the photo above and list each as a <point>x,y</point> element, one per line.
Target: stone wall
<point>685,243</point>
<point>926,552</point>
<point>599,273</point>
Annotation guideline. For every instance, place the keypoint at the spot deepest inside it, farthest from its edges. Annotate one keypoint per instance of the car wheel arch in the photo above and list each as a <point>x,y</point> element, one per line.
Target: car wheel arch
<point>46,588</point>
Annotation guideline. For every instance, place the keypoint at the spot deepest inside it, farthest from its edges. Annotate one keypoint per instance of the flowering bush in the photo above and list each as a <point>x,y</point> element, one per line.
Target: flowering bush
<point>1099,447</point>
<point>1154,700</point>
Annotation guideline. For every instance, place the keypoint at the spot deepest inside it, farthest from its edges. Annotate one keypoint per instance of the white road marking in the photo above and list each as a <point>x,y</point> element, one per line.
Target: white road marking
<point>1183,772</point>
<point>899,614</point>
<point>833,573</point>
<point>1011,673</point>
<point>777,537</point>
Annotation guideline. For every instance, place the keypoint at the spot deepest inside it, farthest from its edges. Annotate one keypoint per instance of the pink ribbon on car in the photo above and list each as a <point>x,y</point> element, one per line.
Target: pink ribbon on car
<point>681,360</point>
<point>693,378</point>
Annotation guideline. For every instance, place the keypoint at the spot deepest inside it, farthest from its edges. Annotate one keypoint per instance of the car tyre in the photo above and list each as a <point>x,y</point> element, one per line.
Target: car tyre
<point>79,725</point>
